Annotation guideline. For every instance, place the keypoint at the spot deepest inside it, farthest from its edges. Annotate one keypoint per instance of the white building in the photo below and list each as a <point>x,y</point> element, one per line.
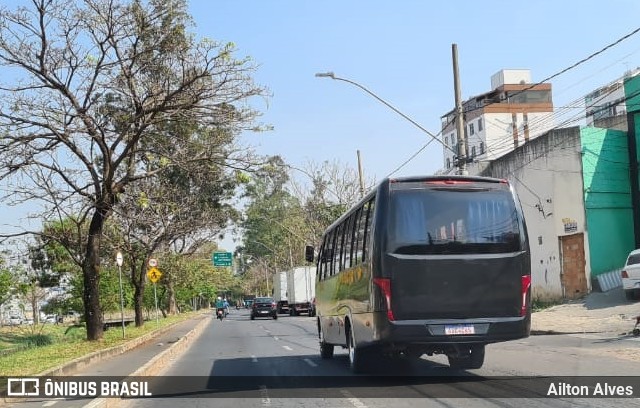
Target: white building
<point>606,106</point>
<point>495,123</point>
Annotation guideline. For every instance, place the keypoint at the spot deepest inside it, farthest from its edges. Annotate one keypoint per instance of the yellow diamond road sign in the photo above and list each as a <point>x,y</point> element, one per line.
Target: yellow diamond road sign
<point>154,275</point>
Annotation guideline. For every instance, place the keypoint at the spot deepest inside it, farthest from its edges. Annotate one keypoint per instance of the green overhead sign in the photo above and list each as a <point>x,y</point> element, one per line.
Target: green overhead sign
<point>222,259</point>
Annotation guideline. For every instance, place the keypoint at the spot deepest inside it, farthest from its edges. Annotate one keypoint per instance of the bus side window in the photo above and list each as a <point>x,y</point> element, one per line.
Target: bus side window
<point>367,231</point>
<point>335,267</point>
<point>342,227</point>
<point>320,264</point>
<point>353,239</point>
<point>359,235</point>
<point>346,246</point>
<point>362,219</point>
<point>327,256</point>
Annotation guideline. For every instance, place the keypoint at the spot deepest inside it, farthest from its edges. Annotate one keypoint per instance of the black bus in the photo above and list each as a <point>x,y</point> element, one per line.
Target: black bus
<point>425,265</point>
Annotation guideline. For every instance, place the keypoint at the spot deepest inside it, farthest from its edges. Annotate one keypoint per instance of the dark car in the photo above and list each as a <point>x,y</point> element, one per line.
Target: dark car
<point>264,307</point>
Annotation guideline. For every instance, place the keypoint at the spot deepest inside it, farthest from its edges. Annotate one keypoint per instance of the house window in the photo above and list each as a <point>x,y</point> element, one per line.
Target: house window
<point>446,140</point>
<point>481,147</point>
<point>480,125</point>
<point>471,129</point>
<point>453,138</point>
<point>473,151</point>
<point>448,163</point>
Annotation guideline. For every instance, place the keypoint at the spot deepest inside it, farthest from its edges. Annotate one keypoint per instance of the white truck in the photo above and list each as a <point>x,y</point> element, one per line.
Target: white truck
<point>301,289</point>
<point>280,292</point>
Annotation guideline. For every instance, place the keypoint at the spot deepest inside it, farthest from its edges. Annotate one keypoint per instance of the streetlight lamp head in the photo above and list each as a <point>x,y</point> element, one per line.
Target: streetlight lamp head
<point>326,75</point>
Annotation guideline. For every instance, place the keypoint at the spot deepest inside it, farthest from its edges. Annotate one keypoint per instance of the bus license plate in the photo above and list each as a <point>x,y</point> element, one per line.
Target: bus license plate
<point>459,329</point>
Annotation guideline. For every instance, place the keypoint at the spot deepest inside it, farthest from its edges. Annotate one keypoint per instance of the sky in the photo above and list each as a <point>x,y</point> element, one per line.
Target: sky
<point>401,51</point>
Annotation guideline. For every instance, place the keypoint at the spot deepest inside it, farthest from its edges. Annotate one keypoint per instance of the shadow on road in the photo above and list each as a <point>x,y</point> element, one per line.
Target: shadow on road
<point>332,379</point>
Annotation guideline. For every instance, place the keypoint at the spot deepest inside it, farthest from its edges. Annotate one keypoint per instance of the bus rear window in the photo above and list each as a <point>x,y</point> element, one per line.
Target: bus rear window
<point>453,221</point>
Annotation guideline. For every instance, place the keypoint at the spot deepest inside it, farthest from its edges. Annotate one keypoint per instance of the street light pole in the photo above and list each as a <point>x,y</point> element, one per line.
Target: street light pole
<point>462,140</point>
<point>416,124</point>
<point>119,260</point>
<point>360,176</point>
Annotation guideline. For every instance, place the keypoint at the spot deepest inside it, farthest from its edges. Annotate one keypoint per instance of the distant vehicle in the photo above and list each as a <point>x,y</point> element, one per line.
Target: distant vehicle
<point>264,307</point>
<point>301,289</point>
<point>425,265</point>
<point>280,292</point>
<point>51,318</point>
<point>15,320</point>
<point>248,300</point>
<point>312,308</point>
<point>27,321</point>
<point>631,275</point>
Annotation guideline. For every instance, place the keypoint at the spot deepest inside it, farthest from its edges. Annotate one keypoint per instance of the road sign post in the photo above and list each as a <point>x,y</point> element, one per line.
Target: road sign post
<point>155,296</point>
<point>154,276</point>
<point>222,258</point>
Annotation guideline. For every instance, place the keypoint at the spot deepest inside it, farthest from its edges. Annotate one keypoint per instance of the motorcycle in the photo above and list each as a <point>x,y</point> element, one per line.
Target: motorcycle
<point>220,314</point>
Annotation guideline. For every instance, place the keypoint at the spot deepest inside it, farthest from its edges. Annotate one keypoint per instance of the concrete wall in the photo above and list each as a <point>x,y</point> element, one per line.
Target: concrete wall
<point>547,175</point>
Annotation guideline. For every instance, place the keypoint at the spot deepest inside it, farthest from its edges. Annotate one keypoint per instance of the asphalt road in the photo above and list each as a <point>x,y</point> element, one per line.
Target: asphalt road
<point>275,363</point>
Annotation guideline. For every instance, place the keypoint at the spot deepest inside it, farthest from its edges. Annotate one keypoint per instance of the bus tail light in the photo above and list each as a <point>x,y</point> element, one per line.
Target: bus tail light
<point>624,275</point>
<point>385,285</point>
<point>526,284</point>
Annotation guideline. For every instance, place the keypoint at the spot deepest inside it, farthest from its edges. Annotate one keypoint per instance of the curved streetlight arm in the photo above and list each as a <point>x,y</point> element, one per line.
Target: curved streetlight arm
<point>333,76</point>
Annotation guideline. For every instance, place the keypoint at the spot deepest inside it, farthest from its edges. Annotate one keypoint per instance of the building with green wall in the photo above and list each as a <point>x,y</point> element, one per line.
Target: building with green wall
<point>607,198</point>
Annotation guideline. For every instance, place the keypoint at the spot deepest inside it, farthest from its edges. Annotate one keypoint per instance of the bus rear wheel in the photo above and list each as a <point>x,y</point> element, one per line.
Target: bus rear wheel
<point>470,357</point>
<point>357,357</point>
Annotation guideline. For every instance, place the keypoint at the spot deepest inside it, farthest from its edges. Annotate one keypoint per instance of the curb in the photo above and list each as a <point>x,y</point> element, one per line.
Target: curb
<point>73,366</point>
<point>554,332</point>
<point>154,366</point>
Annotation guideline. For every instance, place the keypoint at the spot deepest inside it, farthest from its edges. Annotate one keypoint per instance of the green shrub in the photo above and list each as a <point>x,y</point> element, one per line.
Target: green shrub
<point>538,305</point>
<point>37,340</point>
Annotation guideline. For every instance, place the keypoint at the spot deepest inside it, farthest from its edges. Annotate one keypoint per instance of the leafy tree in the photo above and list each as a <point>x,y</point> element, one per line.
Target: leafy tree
<point>95,86</point>
<point>272,218</point>
<point>6,282</point>
<point>283,215</point>
<point>332,189</point>
<point>177,208</point>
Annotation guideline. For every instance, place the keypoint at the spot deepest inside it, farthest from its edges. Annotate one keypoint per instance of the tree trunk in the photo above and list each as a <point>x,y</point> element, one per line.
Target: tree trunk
<point>91,275</point>
<point>34,304</point>
<point>138,300</point>
<point>138,296</point>
<point>171,296</point>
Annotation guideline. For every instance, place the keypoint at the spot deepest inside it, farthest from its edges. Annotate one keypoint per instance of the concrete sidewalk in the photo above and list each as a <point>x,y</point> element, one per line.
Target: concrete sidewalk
<point>125,359</point>
<point>605,313</point>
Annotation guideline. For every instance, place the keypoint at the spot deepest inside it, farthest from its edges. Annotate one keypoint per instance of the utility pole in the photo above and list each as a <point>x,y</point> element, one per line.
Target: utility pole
<point>360,174</point>
<point>462,142</point>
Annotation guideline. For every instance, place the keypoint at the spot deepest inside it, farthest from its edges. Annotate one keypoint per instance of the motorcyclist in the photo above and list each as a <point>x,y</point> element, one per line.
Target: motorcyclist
<point>225,304</point>
<point>219,305</point>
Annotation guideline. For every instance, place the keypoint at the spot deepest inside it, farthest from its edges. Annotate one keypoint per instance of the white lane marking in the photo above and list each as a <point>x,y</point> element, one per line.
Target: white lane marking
<point>276,338</point>
<point>287,348</point>
<point>254,359</point>
<point>352,399</point>
<point>49,403</point>
<point>266,401</point>
<point>311,363</point>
